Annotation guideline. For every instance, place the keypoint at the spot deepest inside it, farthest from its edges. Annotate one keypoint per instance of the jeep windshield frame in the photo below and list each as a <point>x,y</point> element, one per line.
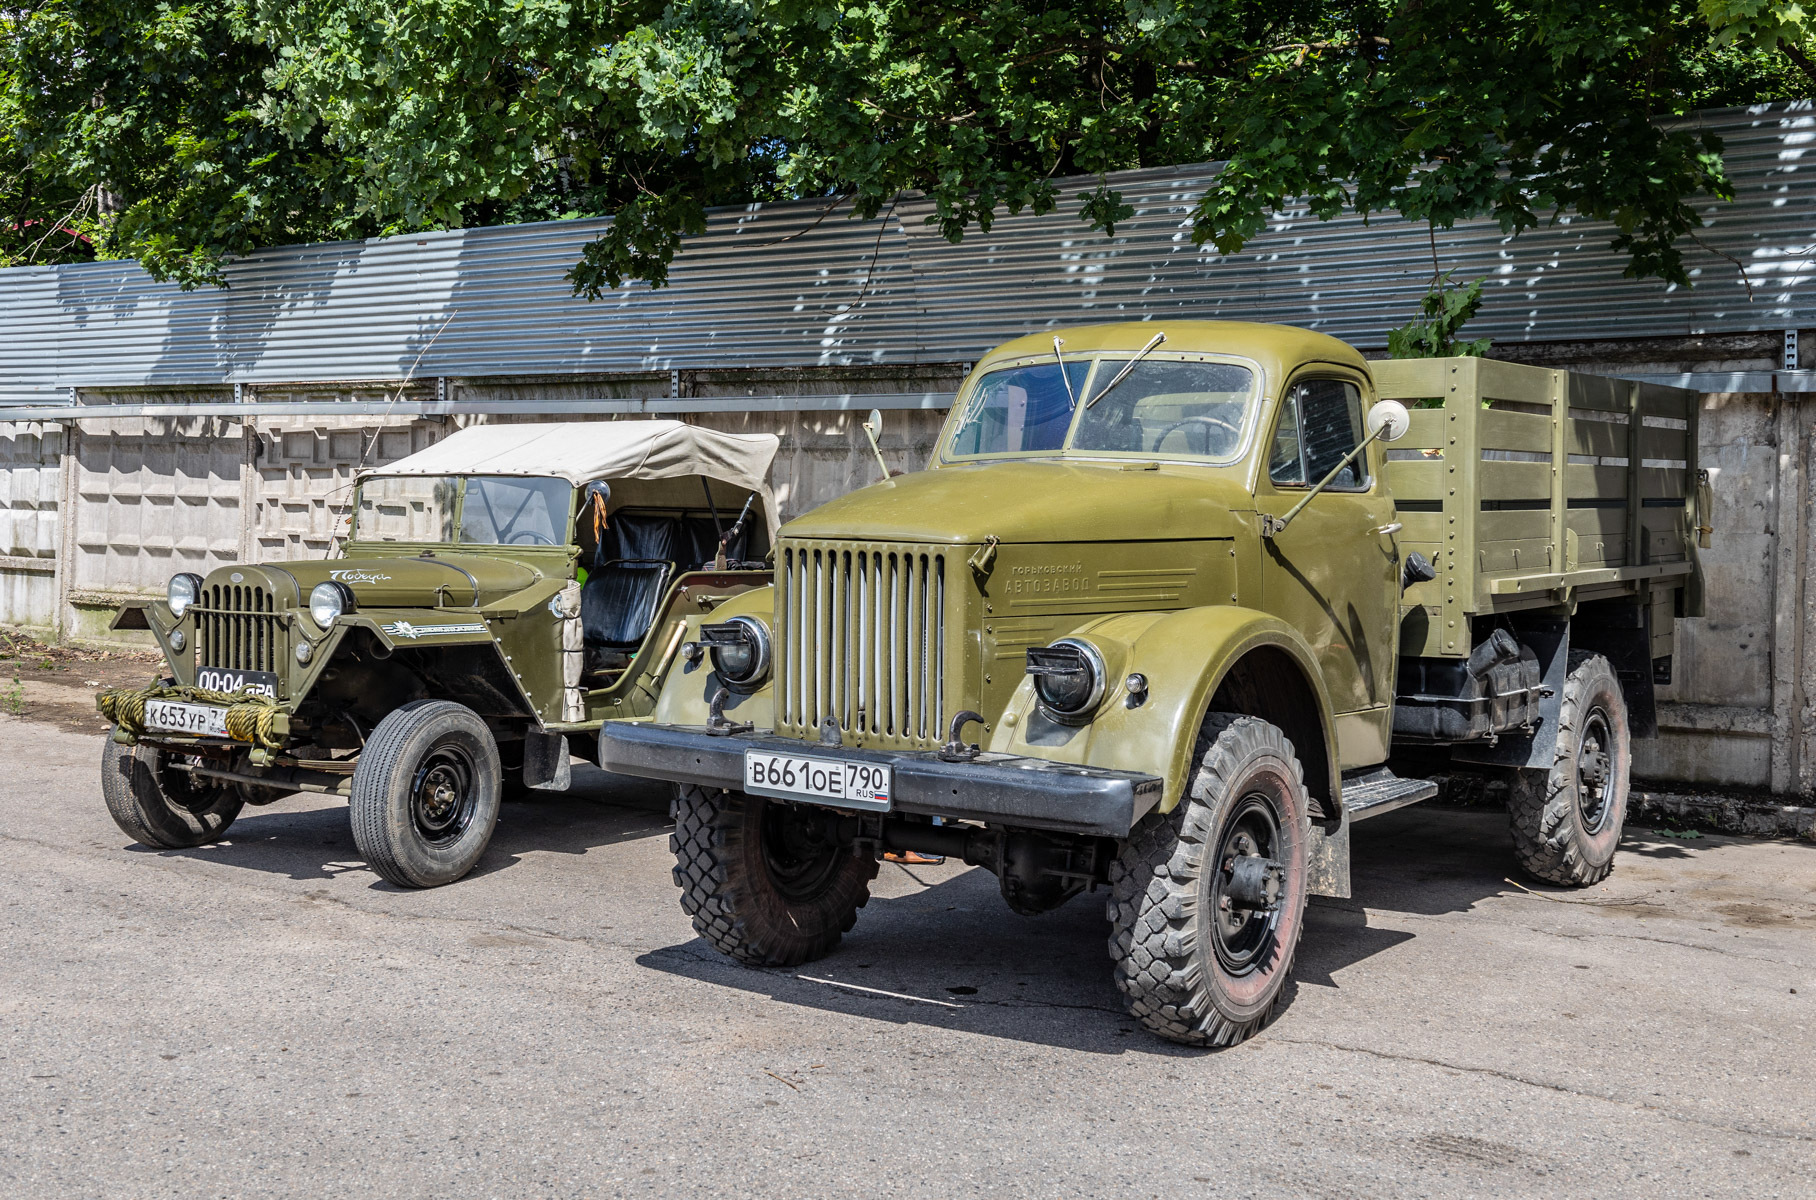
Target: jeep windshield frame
<point>1173,406</point>
<point>514,512</point>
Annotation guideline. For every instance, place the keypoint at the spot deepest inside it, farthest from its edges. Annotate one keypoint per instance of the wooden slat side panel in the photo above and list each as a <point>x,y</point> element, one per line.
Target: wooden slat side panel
<point>1599,393</point>
<point>1592,483</point>
<point>1515,382</point>
<point>1515,481</point>
<point>1598,439</point>
<point>1516,431</point>
<point>1598,537</point>
<point>1659,401</point>
<point>1661,483</point>
<point>1668,444</point>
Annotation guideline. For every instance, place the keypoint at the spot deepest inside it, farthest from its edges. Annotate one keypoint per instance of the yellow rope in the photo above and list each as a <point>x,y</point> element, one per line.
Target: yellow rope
<point>251,716</point>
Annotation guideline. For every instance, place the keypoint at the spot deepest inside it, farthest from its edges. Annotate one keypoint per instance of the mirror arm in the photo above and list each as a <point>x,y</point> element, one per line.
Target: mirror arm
<point>870,431</point>
<point>1272,526</point>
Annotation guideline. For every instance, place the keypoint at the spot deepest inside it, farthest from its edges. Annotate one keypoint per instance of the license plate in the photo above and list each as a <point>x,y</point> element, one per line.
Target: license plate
<point>220,679</point>
<point>838,782</point>
<point>174,716</point>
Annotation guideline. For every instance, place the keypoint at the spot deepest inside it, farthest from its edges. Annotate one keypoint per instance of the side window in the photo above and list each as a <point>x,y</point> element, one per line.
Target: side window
<point>1319,424</point>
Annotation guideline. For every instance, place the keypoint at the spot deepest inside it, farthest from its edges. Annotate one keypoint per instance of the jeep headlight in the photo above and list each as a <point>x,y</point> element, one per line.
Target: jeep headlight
<point>740,650</point>
<point>1068,678</point>
<point>183,590</point>
<point>328,601</point>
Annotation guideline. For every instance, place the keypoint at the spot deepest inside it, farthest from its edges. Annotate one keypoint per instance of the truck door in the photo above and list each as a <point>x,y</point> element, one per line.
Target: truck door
<point>1334,573</point>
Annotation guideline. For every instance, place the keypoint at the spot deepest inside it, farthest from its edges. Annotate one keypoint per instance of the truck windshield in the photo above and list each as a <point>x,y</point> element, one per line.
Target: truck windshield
<point>1165,406</point>
<point>487,510</point>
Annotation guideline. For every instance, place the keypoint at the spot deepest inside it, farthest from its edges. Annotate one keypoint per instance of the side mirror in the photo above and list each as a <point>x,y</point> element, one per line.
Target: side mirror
<point>873,429</point>
<point>1388,420</point>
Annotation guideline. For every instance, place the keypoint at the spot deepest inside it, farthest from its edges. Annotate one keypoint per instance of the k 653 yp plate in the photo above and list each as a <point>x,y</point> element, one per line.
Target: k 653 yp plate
<point>174,716</point>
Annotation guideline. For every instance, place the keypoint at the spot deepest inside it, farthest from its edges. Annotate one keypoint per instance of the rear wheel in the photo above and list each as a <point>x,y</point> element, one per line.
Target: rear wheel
<point>426,793</point>
<point>1207,901</point>
<point>156,804</point>
<point>1567,821</point>
<point>765,881</point>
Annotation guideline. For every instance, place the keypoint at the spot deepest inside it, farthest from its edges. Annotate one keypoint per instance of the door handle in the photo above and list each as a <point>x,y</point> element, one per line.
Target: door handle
<point>1391,527</point>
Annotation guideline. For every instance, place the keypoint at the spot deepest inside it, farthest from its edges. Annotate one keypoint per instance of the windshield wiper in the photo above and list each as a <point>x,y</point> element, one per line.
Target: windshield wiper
<point>1124,373</point>
<point>1061,360</point>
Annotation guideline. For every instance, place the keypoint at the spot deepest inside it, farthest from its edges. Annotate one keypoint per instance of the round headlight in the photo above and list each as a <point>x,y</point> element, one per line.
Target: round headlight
<point>328,601</point>
<point>740,650</point>
<point>183,591</point>
<point>1068,677</point>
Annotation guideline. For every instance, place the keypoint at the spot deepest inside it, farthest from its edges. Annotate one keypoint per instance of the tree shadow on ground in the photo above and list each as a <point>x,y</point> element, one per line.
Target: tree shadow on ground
<point>316,843</point>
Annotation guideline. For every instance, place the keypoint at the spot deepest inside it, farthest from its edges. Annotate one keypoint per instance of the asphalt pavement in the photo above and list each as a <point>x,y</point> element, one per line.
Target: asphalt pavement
<point>264,1017</point>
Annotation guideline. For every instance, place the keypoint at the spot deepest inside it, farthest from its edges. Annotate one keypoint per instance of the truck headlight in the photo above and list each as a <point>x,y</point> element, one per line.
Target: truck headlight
<point>740,650</point>
<point>182,591</point>
<point>1068,678</point>
<point>328,601</point>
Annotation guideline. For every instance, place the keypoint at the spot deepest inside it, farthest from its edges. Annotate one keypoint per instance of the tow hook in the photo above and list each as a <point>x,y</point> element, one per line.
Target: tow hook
<point>955,750</point>
<point>716,724</point>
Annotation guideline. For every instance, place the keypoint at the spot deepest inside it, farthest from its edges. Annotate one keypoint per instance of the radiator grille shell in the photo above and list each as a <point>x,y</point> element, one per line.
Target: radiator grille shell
<point>871,634</point>
<point>238,627</point>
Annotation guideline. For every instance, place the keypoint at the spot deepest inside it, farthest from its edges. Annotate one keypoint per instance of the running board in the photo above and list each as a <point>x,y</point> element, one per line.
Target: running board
<point>1371,793</point>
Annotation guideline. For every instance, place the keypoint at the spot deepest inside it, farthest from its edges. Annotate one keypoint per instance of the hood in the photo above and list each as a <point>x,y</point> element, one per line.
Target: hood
<point>402,582</point>
<point>1046,500</point>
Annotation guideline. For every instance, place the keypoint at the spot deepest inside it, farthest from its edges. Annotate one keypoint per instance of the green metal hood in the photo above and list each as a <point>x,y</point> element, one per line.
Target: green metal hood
<point>442,580</point>
<point>1049,500</point>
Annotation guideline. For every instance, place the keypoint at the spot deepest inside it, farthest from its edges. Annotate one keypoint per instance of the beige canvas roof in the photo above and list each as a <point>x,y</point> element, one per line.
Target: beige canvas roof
<point>582,451</point>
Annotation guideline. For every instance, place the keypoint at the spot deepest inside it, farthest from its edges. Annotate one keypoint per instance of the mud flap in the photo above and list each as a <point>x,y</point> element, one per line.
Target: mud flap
<point>545,762</point>
<point>1327,859</point>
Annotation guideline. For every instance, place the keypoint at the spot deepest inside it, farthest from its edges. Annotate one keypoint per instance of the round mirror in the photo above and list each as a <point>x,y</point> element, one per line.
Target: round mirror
<point>876,422</point>
<point>1389,419</point>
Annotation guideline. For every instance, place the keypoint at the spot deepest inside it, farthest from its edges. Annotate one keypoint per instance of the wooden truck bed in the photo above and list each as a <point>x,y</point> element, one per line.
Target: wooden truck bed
<point>1528,487</point>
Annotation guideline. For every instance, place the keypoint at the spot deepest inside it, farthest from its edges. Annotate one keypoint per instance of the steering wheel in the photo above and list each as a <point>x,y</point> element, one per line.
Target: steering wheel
<point>529,537</point>
<point>1208,422</point>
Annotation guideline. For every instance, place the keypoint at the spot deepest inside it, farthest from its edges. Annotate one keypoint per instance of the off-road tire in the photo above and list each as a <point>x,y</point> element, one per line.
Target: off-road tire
<point>731,892</point>
<point>1565,833</point>
<point>1161,909</point>
<point>160,807</point>
<point>404,823</point>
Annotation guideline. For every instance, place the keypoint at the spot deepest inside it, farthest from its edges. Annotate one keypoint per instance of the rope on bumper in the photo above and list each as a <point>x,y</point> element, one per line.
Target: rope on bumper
<point>251,716</point>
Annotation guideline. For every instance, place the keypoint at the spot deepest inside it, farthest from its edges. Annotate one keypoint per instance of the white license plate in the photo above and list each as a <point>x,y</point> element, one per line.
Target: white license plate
<point>839,782</point>
<point>174,716</point>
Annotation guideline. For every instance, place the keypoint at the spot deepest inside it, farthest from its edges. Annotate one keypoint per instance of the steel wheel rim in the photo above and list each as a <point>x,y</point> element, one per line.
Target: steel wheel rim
<point>444,795</point>
<point>1243,938</point>
<point>184,790</point>
<point>1594,771</point>
<point>800,859</point>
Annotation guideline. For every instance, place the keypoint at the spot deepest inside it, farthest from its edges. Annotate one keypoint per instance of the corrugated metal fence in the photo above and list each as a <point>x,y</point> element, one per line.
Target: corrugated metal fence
<point>795,284</point>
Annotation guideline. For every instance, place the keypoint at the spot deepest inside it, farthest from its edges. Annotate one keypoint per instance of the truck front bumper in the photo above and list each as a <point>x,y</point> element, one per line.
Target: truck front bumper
<point>1000,789</point>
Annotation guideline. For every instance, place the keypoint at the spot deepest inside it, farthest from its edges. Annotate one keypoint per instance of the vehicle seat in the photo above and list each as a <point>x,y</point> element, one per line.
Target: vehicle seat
<point>621,598</point>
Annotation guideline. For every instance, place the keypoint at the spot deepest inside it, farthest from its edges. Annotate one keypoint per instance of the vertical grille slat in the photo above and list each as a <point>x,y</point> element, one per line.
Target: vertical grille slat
<point>863,641</point>
<point>238,628</point>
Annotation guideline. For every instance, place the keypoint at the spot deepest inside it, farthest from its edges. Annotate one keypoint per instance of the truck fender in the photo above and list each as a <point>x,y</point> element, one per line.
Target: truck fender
<point>687,689</point>
<point>1185,656</point>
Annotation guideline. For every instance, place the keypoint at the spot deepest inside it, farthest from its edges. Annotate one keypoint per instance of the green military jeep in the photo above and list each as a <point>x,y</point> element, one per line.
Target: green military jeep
<point>501,594</point>
<point>1195,603</point>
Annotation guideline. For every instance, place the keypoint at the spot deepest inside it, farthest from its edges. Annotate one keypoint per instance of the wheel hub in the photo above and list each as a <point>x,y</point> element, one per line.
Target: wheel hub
<point>1594,772</point>
<point>799,855</point>
<point>1247,885</point>
<point>443,795</point>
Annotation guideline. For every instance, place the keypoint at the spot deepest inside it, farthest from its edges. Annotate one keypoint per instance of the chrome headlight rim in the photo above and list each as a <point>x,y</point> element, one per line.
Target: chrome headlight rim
<point>329,601</point>
<point>749,631</point>
<point>183,590</point>
<point>1094,663</point>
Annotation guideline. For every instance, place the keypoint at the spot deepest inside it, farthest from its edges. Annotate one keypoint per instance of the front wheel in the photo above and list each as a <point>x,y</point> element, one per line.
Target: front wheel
<point>1207,902</point>
<point>1567,821</point>
<point>425,794</point>
<point>765,881</point>
<point>157,804</point>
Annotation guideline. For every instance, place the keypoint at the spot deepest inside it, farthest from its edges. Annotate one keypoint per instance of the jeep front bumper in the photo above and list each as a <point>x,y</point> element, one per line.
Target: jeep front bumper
<point>1000,789</point>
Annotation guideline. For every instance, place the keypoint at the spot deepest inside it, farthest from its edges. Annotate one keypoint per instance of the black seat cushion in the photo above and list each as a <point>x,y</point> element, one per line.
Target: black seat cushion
<point>619,602</point>
<point>650,537</point>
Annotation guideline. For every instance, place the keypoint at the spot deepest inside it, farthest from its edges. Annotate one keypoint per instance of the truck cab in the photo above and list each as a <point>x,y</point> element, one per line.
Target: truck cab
<point>1146,624</point>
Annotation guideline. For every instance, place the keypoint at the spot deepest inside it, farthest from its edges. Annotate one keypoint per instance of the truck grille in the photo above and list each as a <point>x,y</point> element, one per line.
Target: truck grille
<point>237,628</point>
<point>862,637</point>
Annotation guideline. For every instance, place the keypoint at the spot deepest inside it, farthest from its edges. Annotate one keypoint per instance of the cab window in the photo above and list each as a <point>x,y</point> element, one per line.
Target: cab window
<point>1320,422</point>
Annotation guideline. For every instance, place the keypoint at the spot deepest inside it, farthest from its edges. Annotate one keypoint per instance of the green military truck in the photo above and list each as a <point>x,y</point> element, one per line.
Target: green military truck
<point>500,595</point>
<point>1207,594</point>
